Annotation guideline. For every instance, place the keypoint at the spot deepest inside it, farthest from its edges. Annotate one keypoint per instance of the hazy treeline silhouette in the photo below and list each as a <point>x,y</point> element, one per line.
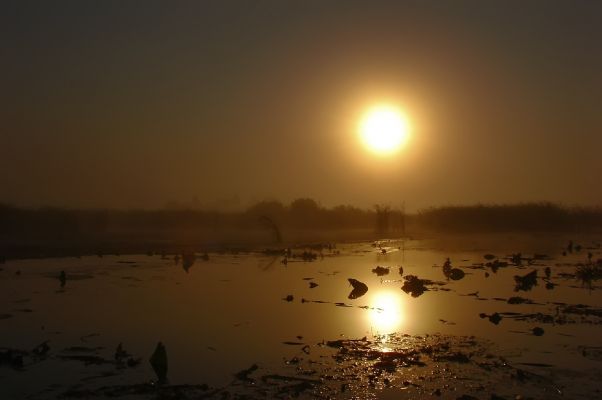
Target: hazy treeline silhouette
<point>57,222</point>
<point>260,223</point>
<point>515,217</point>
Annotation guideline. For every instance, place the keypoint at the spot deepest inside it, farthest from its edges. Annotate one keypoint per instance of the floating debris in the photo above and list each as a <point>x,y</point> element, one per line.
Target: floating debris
<point>313,285</point>
<point>289,298</point>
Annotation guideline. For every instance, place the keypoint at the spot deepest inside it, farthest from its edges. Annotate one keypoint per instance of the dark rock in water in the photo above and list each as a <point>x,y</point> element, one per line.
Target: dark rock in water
<point>380,271</point>
<point>289,298</point>
<point>159,362</point>
<point>400,270</point>
<point>456,274</point>
<point>414,285</point>
<point>312,285</point>
<point>359,289</point>
<point>489,257</point>
<point>525,282</point>
<point>537,331</point>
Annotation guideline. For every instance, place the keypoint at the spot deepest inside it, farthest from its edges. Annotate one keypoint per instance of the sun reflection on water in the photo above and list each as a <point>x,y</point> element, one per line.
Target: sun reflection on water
<point>387,313</point>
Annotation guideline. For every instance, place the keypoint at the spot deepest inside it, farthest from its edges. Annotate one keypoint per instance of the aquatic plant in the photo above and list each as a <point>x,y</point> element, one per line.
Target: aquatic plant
<point>359,288</point>
<point>588,273</point>
<point>525,282</point>
<point>158,361</point>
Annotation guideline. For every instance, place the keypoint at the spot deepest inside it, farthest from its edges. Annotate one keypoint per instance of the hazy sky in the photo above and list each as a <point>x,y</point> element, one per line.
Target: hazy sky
<point>138,103</point>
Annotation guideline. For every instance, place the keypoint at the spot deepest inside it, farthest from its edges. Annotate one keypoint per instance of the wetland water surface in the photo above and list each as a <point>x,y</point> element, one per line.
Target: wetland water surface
<point>246,324</point>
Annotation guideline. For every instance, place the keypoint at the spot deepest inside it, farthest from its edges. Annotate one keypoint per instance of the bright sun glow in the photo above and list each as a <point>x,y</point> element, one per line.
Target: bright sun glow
<point>387,316</point>
<point>384,129</point>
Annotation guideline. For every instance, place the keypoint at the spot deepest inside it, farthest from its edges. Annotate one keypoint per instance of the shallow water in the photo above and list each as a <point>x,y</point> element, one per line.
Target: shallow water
<point>230,312</point>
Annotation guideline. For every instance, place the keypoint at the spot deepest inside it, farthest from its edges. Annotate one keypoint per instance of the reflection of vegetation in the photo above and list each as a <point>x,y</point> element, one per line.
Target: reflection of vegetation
<point>383,215</point>
<point>271,225</point>
<point>188,260</point>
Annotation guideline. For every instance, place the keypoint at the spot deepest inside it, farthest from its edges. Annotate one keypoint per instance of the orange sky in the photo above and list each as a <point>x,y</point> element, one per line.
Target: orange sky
<point>111,105</point>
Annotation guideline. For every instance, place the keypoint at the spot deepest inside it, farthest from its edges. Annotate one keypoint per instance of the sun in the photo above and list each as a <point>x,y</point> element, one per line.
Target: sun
<point>387,314</point>
<point>384,129</point>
